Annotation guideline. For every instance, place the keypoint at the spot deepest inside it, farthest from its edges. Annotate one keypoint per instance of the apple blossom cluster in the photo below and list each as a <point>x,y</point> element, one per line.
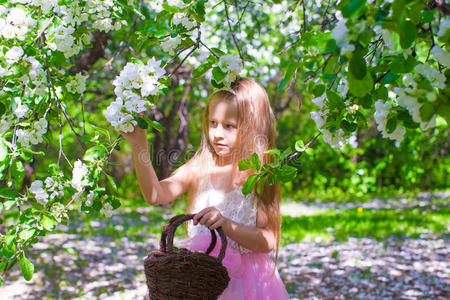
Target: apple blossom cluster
<point>33,135</point>
<point>79,179</point>
<point>408,97</point>
<point>342,35</point>
<point>41,193</point>
<point>77,85</point>
<point>135,82</point>
<point>17,23</point>
<point>5,123</point>
<point>338,138</point>
<point>442,56</point>
<point>232,65</point>
<point>180,18</point>
<point>382,110</point>
<point>170,45</point>
<point>107,210</point>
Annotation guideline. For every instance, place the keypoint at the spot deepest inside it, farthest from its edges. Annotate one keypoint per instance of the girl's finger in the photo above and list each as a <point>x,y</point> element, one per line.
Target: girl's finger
<point>199,215</point>
<point>216,225</point>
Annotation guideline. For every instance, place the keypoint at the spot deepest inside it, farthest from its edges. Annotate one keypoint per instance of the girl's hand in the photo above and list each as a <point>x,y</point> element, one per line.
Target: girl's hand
<point>138,137</point>
<point>210,217</point>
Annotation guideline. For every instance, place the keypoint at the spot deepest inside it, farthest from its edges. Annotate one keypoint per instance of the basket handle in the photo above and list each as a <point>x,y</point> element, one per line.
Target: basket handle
<point>166,243</point>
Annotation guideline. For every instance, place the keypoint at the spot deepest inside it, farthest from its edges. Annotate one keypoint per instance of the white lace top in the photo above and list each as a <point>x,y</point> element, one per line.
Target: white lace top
<point>233,205</point>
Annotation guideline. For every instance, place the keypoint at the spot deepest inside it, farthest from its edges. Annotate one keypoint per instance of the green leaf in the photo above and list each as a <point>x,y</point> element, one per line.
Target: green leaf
<point>202,69</point>
<point>10,203</point>
<point>390,77</point>
<point>358,65</point>
<point>9,249</point>
<point>426,111</point>
<point>199,12</point>
<point>381,93</point>
<point>415,12</point>
<point>256,163</point>
<point>408,33</point>
<point>216,84</point>
<point>218,51</point>
<point>271,179</point>
<point>157,125</point>
<point>332,65</point>
<point>352,7</point>
<point>318,90</point>
<point>273,151</point>
<point>218,74</point>
<point>249,184</point>
<point>288,77</point>
<point>111,181</point>
<point>94,153</point>
<point>54,169</point>
<point>348,127</point>
<point>360,88</point>
<point>366,101</point>
<point>309,151</point>
<point>250,163</point>
<point>391,125</point>
<point>299,146</point>
<point>142,123</point>
<point>335,100</point>
<point>445,112</point>
<point>17,170</point>
<point>260,184</point>
<point>48,223</point>
<point>3,150</point>
<point>27,268</point>
<point>27,234</point>
<point>285,174</point>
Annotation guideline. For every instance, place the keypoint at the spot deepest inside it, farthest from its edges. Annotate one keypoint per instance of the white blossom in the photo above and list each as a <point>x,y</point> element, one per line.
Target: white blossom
<point>37,189</point>
<point>55,187</point>
<point>107,210</point>
<point>177,3</point>
<point>170,45</point>
<point>133,77</point>
<point>77,85</point>
<point>21,109</point>
<point>79,172</point>
<point>179,18</point>
<point>342,36</point>
<point>381,113</point>
<point>319,118</point>
<point>436,78</point>
<point>445,25</point>
<point>319,101</point>
<point>13,54</point>
<point>442,56</point>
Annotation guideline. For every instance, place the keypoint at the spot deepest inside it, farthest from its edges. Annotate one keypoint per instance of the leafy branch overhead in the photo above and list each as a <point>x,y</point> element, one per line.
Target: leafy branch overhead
<point>74,72</point>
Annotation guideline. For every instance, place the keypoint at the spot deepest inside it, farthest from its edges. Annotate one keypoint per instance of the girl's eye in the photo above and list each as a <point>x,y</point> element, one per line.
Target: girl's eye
<point>230,126</point>
<point>212,122</point>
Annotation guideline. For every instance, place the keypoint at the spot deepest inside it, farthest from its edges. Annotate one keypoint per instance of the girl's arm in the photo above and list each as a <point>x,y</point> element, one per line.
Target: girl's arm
<point>259,238</point>
<point>155,192</point>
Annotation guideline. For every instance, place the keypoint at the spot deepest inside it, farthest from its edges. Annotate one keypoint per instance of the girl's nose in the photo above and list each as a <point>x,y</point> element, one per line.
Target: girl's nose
<point>218,132</point>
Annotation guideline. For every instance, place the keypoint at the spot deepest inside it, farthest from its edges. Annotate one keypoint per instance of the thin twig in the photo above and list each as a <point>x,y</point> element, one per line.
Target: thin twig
<point>231,30</point>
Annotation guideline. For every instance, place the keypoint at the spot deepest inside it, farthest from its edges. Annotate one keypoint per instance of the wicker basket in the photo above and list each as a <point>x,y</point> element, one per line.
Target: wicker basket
<point>185,274</point>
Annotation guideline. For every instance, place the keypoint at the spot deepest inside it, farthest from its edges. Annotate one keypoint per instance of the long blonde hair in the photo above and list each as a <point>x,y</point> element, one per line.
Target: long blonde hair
<point>256,133</point>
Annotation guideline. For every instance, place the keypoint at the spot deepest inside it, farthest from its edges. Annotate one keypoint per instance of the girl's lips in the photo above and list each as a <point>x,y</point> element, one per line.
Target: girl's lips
<point>218,144</point>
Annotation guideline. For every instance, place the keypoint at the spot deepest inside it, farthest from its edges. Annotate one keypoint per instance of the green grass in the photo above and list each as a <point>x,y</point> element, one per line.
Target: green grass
<point>374,223</point>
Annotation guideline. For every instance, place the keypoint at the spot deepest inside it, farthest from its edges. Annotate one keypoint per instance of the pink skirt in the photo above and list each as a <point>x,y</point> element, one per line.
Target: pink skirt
<point>253,276</point>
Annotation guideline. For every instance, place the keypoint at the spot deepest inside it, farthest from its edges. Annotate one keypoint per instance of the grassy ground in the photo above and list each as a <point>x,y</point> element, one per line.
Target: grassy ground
<point>332,224</point>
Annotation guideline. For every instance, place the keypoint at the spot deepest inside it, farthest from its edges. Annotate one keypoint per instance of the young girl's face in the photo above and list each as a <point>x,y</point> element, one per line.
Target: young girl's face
<point>223,118</point>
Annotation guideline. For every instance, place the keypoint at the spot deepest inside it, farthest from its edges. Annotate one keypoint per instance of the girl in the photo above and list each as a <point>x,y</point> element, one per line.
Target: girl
<point>235,124</point>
